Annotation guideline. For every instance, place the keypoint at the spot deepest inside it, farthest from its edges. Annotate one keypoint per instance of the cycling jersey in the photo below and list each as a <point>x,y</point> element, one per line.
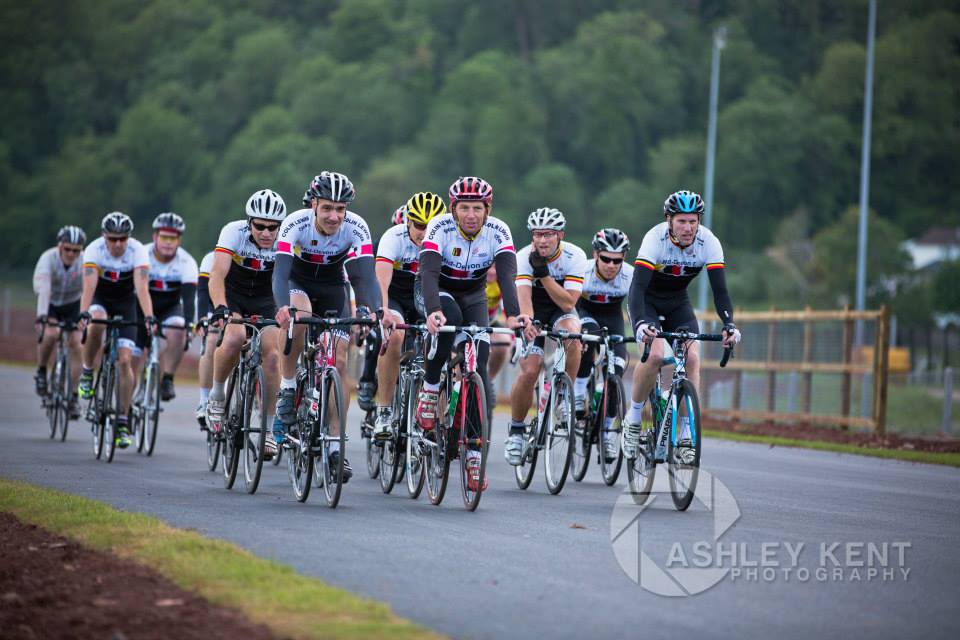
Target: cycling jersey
<point>494,300</point>
<point>204,304</point>
<point>568,267</point>
<point>167,278</point>
<point>115,274</point>
<point>251,272</point>
<point>397,249</point>
<point>321,257</point>
<point>55,284</point>
<point>599,295</point>
<point>674,268</point>
<point>464,261</point>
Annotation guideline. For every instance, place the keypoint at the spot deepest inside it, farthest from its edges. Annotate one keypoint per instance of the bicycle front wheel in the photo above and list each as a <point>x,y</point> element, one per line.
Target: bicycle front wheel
<point>96,413</point>
<point>612,410</point>
<point>332,419</point>
<point>111,410</point>
<point>137,409</point>
<point>62,395</point>
<point>436,458</point>
<point>254,429</point>
<point>230,448</point>
<point>683,448</point>
<point>642,469</point>
<point>414,458</point>
<point>150,413</point>
<point>213,449</point>
<point>474,441</point>
<point>558,433</point>
<point>371,452</point>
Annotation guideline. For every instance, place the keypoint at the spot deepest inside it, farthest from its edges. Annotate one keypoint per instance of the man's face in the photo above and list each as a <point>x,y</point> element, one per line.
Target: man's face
<point>69,252</point>
<point>470,215</point>
<point>329,215</point>
<point>264,231</point>
<point>608,263</point>
<point>684,227</point>
<point>546,242</point>
<point>416,231</point>
<point>165,244</point>
<point>116,244</point>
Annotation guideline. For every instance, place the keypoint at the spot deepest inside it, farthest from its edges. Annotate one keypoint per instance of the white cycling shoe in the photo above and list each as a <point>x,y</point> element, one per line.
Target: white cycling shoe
<point>513,451</point>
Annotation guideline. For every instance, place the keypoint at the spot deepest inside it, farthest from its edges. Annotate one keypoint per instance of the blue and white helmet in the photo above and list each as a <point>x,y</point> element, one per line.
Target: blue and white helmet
<point>683,201</point>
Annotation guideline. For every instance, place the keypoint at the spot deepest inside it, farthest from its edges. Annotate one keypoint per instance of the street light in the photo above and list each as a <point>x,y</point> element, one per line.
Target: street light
<point>719,42</point>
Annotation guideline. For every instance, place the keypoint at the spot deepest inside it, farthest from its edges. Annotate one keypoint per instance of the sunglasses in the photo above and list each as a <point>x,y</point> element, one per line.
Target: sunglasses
<point>608,260</point>
<point>545,234</point>
<point>69,250</point>
<point>116,238</point>
<point>264,227</point>
<point>418,226</point>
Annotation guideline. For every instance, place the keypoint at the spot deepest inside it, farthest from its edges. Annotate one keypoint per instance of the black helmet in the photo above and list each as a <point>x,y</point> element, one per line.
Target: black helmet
<point>170,221</point>
<point>612,240</point>
<point>116,222</point>
<point>71,235</point>
<point>333,186</point>
<point>683,201</point>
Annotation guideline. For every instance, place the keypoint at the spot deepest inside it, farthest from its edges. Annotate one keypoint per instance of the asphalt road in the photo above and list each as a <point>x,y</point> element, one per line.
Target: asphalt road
<point>530,564</point>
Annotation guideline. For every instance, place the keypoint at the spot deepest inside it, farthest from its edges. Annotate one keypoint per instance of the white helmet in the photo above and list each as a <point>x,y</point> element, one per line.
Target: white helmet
<point>546,218</point>
<point>266,204</point>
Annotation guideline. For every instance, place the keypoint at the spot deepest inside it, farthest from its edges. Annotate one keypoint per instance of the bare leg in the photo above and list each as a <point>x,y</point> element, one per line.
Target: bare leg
<point>125,377</point>
<point>388,368</point>
<point>173,350</point>
<point>521,396</point>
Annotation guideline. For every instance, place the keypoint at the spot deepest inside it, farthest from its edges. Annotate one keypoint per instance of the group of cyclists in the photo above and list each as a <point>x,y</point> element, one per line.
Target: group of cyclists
<point>443,262</point>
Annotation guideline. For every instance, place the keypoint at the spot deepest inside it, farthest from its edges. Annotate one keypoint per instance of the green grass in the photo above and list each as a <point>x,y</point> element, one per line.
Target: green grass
<point>266,592</point>
<point>949,459</point>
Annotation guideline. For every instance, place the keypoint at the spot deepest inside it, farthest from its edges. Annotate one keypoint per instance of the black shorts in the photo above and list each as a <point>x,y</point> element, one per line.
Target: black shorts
<point>246,305</point>
<point>324,296</point>
<point>612,318</point>
<point>406,308</point>
<point>69,312</point>
<point>676,311</point>
<point>126,308</point>
<point>162,314</point>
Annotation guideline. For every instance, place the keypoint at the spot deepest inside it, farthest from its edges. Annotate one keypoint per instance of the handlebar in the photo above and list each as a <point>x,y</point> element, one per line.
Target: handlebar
<point>44,322</point>
<point>257,322</point>
<point>329,321</point>
<point>687,335</point>
<point>116,321</point>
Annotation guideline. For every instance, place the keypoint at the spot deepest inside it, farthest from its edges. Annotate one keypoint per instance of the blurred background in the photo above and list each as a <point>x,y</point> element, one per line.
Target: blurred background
<point>597,107</point>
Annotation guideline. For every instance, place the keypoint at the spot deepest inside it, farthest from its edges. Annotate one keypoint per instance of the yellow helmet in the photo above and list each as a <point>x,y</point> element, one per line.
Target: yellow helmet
<point>423,206</point>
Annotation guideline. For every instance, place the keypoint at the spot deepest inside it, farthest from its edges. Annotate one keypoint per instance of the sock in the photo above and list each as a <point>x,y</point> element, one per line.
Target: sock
<point>204,394</point>
<point>633,414</point>
<point>86,371</point>
<point>431,386</point>
<point>517,426</point>
<point>218,392</point>
<point>168,376</point>
<point>122,419</point>
<point>288,383</point>
<point>334,446</point>
<point>580,387</point>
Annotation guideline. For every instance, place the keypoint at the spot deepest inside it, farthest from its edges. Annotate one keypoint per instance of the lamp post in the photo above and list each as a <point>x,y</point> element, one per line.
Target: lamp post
<point>719,42</point>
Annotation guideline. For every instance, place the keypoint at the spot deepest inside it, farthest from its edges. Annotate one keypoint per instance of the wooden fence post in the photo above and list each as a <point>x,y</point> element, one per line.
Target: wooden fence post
<point>881,366</point>
<point>807,389</point>
<point>847,357</point>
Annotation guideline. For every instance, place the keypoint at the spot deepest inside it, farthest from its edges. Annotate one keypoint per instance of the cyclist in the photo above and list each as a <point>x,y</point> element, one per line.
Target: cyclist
<point>670,257</point>
<point>115,273</point>
<point>601,306</point>
<point>398,258</point>
<point>458,249</point>
<point>499,344</point>
<point>204,311</point>
<point>173,289</point>
<point>240,285</point>
<point>550,273</point>
<point>317,248</point>
<point>58,284</point>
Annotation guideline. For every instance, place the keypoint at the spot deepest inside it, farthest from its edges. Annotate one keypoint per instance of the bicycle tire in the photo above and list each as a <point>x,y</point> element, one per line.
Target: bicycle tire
<point>683,489</point>
<point>474,437</point>
<point>613,393</point>
<point>95,409</point>
<point>414,458</point>
<point>437,460</point>
<point>230,447</point>
<point>642,470</point>
<point>582,444</point>
<point>300,468</point>
<point>65,396</point>
<point>254,429</point>
<point>332,402</point>
<point>112,401</point>
<point>136,409</point>
<point>389,457</point>
<point>523,473</point>
<point>150,414</point>
<point>52,401</point>
<point>213,450</point>
<point>370,447</point>
<point>558,434</point>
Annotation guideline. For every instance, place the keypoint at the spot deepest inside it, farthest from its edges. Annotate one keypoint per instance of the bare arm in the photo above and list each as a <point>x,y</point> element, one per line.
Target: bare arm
<point>141,286</point>
<point>218,274</point>
<point>384,272</point>
<point>563,298</point>
<point>90,277</point>
<point>525,296</point>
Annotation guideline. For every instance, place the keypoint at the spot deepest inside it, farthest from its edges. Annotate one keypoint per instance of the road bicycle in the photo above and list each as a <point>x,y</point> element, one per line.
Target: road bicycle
<point>605,408</point>
<point>145,409</point>
<point>320,407</point>
<point>103,407</point>
<point>552,427</point>
<point>60,392</point>
<point>243,431</point>
<point>660,440</point>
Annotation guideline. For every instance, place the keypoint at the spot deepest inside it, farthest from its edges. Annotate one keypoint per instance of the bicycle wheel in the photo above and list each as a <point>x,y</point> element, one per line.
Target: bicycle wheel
<point>136,410</point>
<point>52,401</point>
<point>300,459</point>
<point>60,413</point>
<point>435,460</point>
<point>474,439</point>
<point>230,428</point>
<point>523,473</point>
<point>96,413</point>
<point>558,434</point>
<point>390,451</point>
<point>150,413</point>
<point>414,458</point>
<point>370,447</point>
<point>332,416</point>
<point>642,469</point>
<point>612,409</point>
<point>683,462</point>
<point>254,428</point>
<point>112,408</point>
<point>582,436</point>
<point>213,450</point>
<point>65,397</point>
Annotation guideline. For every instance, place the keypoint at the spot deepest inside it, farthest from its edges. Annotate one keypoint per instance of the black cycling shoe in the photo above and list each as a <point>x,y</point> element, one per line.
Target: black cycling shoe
<point>347,469</point>
<point>74,407</point>
<point>40,380</point>
<point>286,410</point>
<point>365,393</point>
<point>167,392</point>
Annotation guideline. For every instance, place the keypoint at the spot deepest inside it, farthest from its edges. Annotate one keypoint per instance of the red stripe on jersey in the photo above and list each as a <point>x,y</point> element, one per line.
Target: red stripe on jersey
<point>284,247</point>
<point>509,247</point>
<point>715,265</point>
<point>644,263</point>
<point>430,246</point>
<point>366,250</point>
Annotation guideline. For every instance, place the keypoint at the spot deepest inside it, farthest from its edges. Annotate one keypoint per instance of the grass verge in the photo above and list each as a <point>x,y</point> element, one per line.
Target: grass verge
<point>267,592</point>
<point>929,457</point>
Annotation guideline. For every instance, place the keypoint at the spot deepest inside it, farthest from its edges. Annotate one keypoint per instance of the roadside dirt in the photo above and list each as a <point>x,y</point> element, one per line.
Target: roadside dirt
<point>51,587</point>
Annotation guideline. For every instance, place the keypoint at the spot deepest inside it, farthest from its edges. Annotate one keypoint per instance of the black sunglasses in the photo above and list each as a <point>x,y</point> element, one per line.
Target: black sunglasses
<point>418,226</point>
<point>116,238</point>
<point>609,260</point>
<point>69,250</point>
<point>264,227</point>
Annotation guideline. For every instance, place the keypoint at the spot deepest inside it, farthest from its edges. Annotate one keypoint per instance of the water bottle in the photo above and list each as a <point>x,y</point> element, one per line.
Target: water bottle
<point>544,395</point>
<point>454,398</point>
<point>597,395</point>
